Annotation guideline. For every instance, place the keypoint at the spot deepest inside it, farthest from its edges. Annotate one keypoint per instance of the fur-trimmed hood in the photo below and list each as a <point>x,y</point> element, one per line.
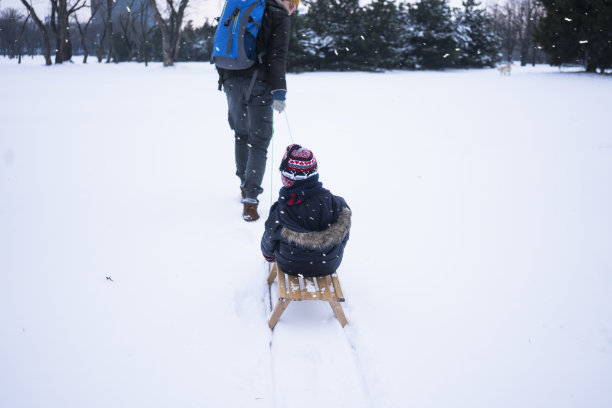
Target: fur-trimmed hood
<point>319,240</point>
<point>308,237</point>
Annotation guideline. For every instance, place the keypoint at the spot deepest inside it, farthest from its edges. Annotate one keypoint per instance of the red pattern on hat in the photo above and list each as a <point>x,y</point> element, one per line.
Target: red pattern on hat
<point>287,182</point>
<point>300,165</point>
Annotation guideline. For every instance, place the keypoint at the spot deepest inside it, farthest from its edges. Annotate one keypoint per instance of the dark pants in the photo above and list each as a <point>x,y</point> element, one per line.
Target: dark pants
<point>251,120</point>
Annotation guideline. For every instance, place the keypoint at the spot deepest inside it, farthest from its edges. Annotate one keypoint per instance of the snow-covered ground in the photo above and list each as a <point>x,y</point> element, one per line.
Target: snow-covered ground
<point>478,273</point>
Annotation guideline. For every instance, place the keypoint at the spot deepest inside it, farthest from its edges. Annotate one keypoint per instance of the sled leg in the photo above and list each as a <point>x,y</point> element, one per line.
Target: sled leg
<point>337,308</point>
<point>278,311</point>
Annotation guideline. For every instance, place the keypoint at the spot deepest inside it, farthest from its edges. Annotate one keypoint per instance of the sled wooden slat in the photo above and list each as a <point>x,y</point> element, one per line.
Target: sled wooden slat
<point>330,285</point>
<point>324,292</point>
<point>282,289</point>
<point>293,288</point>
<point>303,292</point>
<point>310,291</point>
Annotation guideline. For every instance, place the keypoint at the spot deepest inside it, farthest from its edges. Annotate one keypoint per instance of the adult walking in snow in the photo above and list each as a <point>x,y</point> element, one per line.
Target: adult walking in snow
<point>252,94</point>
<point>308,227</point>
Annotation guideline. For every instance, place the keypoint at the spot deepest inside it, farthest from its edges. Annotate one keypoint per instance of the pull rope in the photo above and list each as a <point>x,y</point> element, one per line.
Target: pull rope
<point>272,155</point>
<point>272,167</point>
<point>288,127</point>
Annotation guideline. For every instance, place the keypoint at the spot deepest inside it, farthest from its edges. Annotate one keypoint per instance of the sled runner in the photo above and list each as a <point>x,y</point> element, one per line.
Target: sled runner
<point>293,288</point>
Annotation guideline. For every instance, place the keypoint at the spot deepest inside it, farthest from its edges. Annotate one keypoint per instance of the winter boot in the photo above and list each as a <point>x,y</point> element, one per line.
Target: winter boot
<point>249,212</point>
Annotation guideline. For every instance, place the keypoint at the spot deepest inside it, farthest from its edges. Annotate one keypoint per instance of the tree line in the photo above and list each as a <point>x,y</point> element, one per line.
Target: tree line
<point>329,34</point>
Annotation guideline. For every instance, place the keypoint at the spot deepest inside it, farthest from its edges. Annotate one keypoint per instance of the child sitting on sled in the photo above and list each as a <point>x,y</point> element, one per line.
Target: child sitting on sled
<point>308,227</point>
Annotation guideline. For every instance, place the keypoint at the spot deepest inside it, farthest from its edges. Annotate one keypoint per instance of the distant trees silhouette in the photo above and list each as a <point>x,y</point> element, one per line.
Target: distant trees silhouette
<point>577,31</point>
<point>331,34</point>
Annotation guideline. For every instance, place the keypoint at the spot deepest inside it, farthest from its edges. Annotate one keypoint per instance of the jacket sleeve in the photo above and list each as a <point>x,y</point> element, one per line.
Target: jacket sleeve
<point>271,236</point>
<point>277,50</point>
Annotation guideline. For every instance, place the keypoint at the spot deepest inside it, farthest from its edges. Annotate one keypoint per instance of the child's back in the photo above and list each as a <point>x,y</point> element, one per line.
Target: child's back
<point>308,226</point>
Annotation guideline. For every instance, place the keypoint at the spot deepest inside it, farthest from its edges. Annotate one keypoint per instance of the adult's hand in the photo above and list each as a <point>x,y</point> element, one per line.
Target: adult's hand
<point>278,100</point>
<point>279,105</point>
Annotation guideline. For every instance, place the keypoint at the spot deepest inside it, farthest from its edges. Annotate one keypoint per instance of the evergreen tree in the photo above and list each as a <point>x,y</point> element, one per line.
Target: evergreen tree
<point>381,41</point>
<point>432,35</point>
<point>10,22</point>
<point>196,42</point>
<point>301,55</point>
<point>578,31</point>
<point>332,34</point>
<point>478,44</point>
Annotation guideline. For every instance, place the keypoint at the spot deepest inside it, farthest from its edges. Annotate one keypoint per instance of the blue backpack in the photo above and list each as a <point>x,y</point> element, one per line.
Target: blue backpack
<point>234,43</point>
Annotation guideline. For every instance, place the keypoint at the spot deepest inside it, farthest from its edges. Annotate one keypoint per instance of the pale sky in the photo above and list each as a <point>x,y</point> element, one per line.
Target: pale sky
<point>196,11</point>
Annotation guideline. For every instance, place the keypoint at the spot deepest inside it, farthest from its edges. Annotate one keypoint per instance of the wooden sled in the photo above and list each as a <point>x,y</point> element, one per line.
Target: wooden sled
<point>294,288</point>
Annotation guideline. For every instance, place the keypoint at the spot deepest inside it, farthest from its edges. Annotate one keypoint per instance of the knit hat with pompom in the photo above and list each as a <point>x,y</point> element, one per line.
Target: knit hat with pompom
<point>298,164</point>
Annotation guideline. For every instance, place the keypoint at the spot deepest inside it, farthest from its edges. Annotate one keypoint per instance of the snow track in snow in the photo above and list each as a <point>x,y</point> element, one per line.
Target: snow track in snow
<point>313,360</point>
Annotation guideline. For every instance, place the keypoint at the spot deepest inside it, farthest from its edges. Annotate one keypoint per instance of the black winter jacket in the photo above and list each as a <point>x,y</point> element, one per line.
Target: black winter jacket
<point>307,229</point>
<point>273,40</point>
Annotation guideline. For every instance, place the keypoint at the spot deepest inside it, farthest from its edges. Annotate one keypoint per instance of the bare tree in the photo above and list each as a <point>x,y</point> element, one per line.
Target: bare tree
<point>110,5</point>
<point>516,21</point>
<point>504,23</point>
<point>43,30</point>
<point>95,7</point>
<point>143,31</point>
<point>107,9</point>
<point>60,22</point>
<point>100,48</point>
<point>537,17</point>
<point>511,27</point>
<point>170,28</point>
<point>19,46</point>
<point>530,12</point>
<point>127,21</point>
